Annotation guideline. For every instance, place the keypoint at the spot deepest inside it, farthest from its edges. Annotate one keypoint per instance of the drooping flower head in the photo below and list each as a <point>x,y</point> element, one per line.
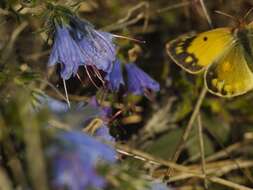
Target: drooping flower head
<point>77,43</point>
<point>138,82</point>
<point>74,157</point>
<point>66,52</point>
<point>115,78</point>
<point>97,46</point>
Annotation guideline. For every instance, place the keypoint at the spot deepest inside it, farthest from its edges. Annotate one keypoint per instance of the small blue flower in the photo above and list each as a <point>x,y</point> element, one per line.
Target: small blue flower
<point>103,133</point>
<point>104,111</point>
<point>74,157</point>
<point>138,81</point>
<point>158,186</point>
<point>97,46</point>
<point>54,105</point>
<point>74,173</point>
<point>78,43</point>
<point>90,148</point>
<point>115,76</point>
<point>66,52</point>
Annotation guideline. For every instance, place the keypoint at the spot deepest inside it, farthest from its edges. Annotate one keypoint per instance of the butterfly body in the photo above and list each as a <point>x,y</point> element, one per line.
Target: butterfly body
<point>245,37</point>
<point>225,55</point>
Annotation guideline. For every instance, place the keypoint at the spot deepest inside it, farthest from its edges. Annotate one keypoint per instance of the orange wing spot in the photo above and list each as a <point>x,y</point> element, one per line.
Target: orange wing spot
<point>179,50</point>
<point>188,59</point>
<point>226,67</point>
<point>214,82</point>
<point>220,85</point>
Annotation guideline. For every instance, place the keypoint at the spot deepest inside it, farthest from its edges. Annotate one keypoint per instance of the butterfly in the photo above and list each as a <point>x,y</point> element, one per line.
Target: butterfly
<point>225,55</point>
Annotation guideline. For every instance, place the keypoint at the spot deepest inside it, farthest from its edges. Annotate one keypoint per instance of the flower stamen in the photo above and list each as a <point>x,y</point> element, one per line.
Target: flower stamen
<point>128,38</point>
<point>98,75</point>
<point>90,77</point>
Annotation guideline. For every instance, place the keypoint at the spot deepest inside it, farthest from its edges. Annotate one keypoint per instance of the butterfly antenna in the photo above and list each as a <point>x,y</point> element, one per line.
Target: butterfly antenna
<point>227,15</point>
<point>248,13</point>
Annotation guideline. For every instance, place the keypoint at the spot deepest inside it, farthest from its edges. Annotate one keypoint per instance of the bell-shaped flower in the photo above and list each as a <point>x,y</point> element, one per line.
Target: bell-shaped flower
<point>66,52</point>
<point>139,82</point>
<point>97,46</point>
<point>115,78</point>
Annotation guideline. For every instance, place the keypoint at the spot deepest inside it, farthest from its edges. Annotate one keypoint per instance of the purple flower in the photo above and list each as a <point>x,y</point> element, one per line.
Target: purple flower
<point>97,46</point>
<point>78,43</point>
<point>56,106</point>
<point>66,52</point>
<point>74,173</point>
<point>104,112</point>
<point>115,77</point>
<point>138,81</point>
<point>158,186</point>
<point>103,133</point>
<point>74,157</point>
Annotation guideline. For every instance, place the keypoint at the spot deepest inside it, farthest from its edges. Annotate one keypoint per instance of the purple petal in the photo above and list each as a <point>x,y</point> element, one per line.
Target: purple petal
<point>138,81</point>
<point>66,52</point>
<point>158,186</point>
<point>75,156</point>
<point>104,134</point>
<point>97,46</point>
<point>115,77</point>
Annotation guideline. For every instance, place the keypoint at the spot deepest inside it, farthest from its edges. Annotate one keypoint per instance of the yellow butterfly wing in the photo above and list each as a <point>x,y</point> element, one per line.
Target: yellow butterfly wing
<point>195,52</point>
<point>230,75</point>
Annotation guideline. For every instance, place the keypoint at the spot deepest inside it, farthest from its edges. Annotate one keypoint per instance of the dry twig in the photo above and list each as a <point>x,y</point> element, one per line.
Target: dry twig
<point>127,20</point>
<point>202,150</point>
<point>187,172</point>
<point>189,126</point>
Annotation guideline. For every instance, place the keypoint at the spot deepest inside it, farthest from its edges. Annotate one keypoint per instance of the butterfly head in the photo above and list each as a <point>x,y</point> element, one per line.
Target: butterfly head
<point>240,22</point>
<point>240,26</point>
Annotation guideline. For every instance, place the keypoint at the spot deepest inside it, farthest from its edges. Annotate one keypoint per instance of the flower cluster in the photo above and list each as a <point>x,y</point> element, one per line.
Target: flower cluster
<point>74,156</point>
<point>79,44</point>
<point>138,82</point>
<point>74,159</point>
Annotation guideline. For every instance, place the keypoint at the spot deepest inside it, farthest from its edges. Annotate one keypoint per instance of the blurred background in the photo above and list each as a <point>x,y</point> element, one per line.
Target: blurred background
<point>153,127</point>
